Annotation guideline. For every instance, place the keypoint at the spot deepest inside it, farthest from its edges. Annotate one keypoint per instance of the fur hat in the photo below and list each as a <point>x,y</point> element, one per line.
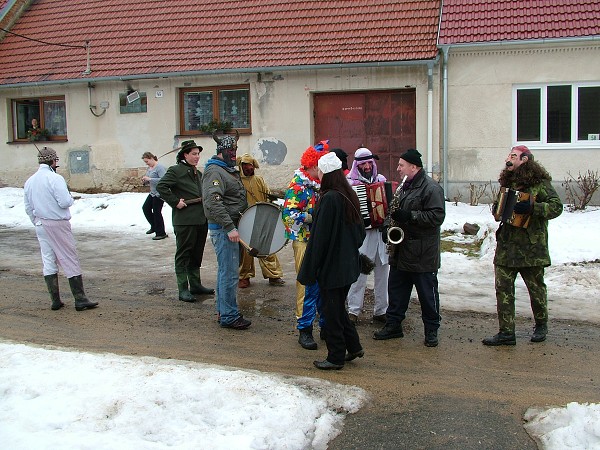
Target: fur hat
<point>311,155</point>
<point>343,157</point>
<point>412,156</point>
<point>47,155</point>
<point>329,163</point>
<point>186,147</point>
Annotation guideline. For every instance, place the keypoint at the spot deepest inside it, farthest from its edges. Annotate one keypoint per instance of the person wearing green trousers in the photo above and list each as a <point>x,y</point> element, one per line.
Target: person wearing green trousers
<point>181,188</point>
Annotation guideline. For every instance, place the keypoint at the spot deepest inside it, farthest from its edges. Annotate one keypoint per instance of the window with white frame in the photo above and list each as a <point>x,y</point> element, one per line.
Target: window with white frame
<point>557,113</point>
<point>202,109</point>
<point>40,118</point>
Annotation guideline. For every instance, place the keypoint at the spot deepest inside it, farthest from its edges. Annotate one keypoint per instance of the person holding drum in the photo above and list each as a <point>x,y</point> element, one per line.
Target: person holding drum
<point>298,208</point>
<point>224,202</point>
<point>524,249</point>
<point>364,172</point>
<point>332,260</point>
<point>257,191</point>
<point>181,188</point>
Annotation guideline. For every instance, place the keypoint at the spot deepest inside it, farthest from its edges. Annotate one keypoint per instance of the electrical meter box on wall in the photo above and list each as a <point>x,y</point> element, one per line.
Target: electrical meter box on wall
<point>79,161</point>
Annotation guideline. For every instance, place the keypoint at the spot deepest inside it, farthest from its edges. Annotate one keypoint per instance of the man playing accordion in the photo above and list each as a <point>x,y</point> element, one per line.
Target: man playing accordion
<point>364,171</point>
<point>524,250</point>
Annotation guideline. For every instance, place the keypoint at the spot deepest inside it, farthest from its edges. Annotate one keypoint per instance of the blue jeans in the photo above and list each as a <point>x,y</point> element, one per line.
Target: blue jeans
<point>228,262</point>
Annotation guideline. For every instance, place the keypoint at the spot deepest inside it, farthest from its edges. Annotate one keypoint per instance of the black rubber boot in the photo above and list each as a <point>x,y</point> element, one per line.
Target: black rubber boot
<point>306,339</point>
<point>539,332</point>
<point>183,287</point>
<point>196,287</point>
<point>52,284</point>
<point>501,339</point>
<point>81,301</point>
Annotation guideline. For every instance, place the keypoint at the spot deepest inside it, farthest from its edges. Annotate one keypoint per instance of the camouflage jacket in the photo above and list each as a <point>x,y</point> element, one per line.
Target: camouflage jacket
<point>528,247</point>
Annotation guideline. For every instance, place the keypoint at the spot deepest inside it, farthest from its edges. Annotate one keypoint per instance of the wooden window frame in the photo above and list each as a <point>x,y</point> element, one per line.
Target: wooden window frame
<point>42,119</point>
<point>215,91</point>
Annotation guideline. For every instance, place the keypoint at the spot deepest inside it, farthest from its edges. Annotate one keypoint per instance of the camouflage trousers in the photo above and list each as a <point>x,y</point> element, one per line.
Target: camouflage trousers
<point>505,294</point>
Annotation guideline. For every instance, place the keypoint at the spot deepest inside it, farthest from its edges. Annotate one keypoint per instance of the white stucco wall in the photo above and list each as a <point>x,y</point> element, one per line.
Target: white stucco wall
<point>281,108</point>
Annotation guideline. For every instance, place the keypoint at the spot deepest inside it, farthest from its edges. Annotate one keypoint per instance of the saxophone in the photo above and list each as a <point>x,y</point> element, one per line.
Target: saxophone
<point>395,234</point>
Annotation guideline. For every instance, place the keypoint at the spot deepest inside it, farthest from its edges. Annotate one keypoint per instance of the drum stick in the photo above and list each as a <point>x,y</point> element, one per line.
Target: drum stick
<point>252,251</point>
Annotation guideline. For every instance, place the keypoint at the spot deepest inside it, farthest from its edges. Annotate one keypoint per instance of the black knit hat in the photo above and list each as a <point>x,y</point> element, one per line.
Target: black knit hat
<point>343,157</point>
<point>412,156</point>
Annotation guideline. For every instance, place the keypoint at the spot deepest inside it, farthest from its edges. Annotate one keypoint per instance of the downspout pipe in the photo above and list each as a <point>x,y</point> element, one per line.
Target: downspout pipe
<point>445,50</point>
<point>430,119</point>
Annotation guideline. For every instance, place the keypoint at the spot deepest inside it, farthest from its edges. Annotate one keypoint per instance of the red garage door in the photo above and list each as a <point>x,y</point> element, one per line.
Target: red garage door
<point>382,121</point>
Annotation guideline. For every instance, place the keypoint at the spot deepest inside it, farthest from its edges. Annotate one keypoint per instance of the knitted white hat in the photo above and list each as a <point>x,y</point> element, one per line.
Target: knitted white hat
<point>329,163</point>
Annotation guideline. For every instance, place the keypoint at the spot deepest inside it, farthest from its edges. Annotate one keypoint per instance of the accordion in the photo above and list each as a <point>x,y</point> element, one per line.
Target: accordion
<point>504,206</point>
<point>374,199</point>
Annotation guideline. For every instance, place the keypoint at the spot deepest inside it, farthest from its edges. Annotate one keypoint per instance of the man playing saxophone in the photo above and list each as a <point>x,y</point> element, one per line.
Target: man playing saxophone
<point>419,209</point>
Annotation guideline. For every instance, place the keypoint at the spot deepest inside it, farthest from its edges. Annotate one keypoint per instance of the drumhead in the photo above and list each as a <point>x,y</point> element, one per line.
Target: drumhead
<point>261,227</point>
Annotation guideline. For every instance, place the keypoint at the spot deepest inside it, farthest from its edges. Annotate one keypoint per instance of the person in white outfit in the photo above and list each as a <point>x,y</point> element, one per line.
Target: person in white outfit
<point>47,201</point>
<point>364,171</point>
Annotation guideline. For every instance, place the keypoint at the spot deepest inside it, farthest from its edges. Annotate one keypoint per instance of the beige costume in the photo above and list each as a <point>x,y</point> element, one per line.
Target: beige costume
<point>257,191</point>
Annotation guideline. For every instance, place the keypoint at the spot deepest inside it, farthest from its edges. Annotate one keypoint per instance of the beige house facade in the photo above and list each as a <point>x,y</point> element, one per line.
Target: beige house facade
<point>104,140</point>
<point>493,93</point>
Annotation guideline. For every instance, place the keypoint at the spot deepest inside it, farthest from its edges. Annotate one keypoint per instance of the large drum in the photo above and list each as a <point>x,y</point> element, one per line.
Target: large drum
<point>261,229</point>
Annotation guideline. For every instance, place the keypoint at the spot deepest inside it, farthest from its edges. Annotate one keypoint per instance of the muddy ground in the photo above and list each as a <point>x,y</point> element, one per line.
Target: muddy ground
<point>460,395</point>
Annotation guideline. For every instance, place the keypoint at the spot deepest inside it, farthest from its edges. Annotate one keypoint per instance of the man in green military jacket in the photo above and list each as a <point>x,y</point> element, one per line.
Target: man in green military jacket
<point>181,188</point>
<point>521,250</point>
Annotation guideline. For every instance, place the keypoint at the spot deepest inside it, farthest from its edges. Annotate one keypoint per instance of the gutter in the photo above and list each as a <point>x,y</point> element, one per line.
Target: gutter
<point>194,73</point>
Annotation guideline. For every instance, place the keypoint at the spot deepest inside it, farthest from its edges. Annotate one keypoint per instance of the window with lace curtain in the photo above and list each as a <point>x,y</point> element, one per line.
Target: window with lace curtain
<point>40,118</point>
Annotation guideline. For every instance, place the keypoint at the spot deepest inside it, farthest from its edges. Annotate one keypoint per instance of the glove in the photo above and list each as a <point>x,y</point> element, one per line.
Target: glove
<point>401,215</point>
<point>308,218</point>
<point>523,207</point>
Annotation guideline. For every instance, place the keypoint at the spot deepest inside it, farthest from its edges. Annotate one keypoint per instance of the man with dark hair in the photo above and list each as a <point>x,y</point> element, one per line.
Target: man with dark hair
<point>524,250</point>
<point>224,202</point>
<point>47,202</point>
<point>419,209</point>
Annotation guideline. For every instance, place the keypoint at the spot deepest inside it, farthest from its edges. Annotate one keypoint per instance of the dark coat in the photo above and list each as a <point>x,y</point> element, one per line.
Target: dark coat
<point>180,182</point>
<point>420,249</point>
<point>332,256</point>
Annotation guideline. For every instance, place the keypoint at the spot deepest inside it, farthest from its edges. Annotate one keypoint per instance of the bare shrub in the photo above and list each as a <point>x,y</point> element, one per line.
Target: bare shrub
<point>476,191</point>
<point>457,198</point>
<point>579,191</point>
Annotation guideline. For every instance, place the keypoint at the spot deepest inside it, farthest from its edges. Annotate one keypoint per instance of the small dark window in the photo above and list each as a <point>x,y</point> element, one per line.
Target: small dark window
<point>528,114</point>
<point>559,114</point>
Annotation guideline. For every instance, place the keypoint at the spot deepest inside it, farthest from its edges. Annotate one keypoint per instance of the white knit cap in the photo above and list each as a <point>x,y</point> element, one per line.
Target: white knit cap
<point>329,163</point>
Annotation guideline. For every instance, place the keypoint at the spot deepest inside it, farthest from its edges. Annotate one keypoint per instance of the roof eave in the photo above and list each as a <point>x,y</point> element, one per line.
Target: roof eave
<point>225,71</point>
<point>516,42</point>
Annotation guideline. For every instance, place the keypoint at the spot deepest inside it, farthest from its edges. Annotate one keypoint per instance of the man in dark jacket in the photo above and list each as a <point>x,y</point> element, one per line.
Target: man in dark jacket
<point>419,209</point>
<point>181,188</point>
<point>224,202</point>
<point>524,250</point>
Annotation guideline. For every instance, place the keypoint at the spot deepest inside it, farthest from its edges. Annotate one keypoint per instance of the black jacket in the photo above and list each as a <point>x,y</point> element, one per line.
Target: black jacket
<point>331,256</point>
<point>420,249</point>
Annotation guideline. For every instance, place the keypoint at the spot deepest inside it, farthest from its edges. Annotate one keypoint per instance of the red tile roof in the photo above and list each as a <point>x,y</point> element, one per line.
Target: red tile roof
<point>150,36</point>
<point>472,21</point>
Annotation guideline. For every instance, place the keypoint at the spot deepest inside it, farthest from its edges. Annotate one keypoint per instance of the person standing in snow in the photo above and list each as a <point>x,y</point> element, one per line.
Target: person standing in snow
<point>524,250</point>
<point>47,202</point>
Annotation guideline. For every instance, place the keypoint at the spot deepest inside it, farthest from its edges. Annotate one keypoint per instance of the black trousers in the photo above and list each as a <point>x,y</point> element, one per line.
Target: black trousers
<point>152,209</point>
<point>340,332</point>
<point>190,241</point>
<point>400,285</point>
